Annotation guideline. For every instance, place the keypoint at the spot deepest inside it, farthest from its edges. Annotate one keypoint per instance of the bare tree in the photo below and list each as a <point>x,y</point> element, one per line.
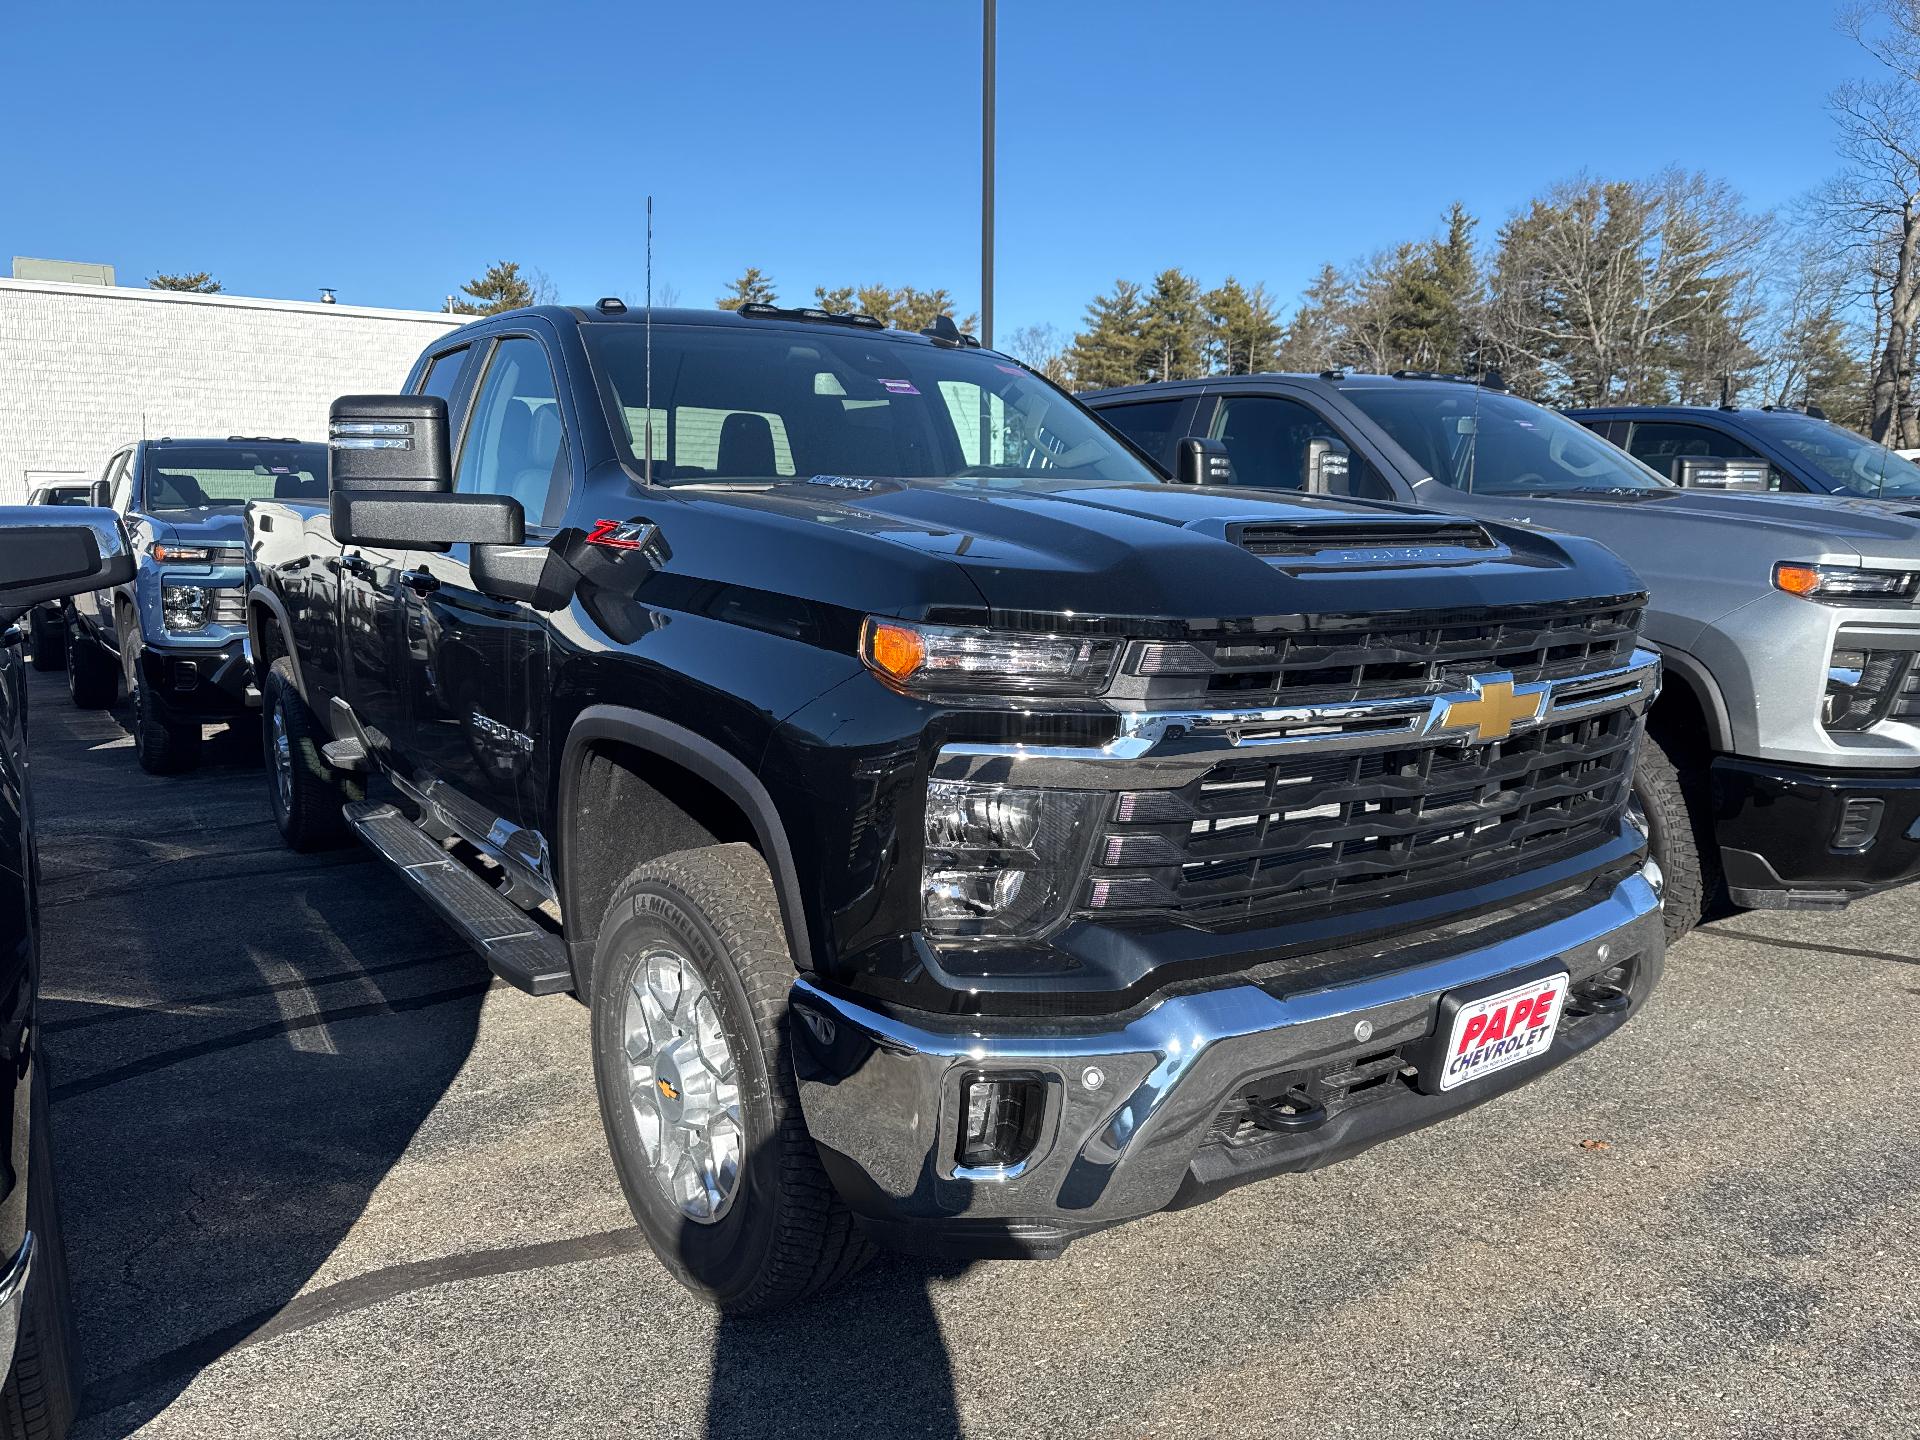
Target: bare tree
<point>1874,202</point>
<point>1625,289</point>
<point>1042,347</point>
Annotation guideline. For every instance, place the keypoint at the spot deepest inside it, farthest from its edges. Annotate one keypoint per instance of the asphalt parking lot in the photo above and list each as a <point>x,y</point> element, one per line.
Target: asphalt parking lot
<point>321,1178</point>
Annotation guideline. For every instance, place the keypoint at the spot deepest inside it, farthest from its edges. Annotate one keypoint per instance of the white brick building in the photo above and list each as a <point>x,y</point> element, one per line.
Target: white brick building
<point>86,368</point>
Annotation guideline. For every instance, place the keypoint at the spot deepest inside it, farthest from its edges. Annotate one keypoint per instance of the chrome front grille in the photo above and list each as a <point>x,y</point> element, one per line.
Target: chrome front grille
<point>1287,836</point>
<point>1336,662</point>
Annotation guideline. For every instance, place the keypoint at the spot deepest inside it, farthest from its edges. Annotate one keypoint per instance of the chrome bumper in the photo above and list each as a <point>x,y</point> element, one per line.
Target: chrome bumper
<point>13,1295</point>
<point>1128,1108</point>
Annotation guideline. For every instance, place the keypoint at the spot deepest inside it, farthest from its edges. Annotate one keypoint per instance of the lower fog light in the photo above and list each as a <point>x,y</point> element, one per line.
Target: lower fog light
<point>1000,1119</point>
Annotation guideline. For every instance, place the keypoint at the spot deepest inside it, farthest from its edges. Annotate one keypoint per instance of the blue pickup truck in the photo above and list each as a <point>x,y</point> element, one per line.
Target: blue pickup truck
<point>175,636</point>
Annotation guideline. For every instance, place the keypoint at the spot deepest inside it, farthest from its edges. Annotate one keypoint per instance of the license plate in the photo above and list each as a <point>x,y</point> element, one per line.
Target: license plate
<point>1505,1029</point>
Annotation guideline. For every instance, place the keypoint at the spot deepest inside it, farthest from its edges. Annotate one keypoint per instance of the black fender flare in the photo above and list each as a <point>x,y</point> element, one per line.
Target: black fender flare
<point>1700,680</point>
<point>261,598</point>
<point>720,768</point>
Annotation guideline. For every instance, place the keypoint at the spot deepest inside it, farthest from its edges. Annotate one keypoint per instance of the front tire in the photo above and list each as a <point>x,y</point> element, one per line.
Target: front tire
<point>690,982</point>
<point>37,1400</point>
<point>306,793</point>
<point>93,683</point>
<point>1675,805</point>
<point>163,746</point>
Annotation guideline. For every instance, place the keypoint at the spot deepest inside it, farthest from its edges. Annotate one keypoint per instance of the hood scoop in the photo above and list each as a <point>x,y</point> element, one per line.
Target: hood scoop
<point>1370,543</point>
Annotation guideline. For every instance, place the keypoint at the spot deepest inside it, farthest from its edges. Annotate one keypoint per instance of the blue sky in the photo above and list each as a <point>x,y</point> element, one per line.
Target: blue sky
<point>390,151</point>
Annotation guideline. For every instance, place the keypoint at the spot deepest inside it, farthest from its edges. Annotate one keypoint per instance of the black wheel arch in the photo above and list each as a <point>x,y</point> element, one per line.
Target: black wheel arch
<point>264,608</point>
<point>676,746</point>
<point>1684,676</point>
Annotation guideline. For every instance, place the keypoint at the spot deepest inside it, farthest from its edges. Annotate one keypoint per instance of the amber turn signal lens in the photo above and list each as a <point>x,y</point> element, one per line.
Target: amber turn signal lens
<point>895,650</point>
<point>1797,579</point>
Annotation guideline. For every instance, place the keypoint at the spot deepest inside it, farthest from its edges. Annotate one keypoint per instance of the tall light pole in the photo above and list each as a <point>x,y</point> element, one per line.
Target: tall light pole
<point>989,25</point>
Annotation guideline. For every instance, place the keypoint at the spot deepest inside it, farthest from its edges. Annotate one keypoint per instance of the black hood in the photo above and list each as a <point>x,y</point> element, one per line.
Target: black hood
<point>1153,550</point>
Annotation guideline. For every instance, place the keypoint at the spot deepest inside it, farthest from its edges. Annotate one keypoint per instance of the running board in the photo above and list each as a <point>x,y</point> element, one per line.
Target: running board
<point>518,951</point>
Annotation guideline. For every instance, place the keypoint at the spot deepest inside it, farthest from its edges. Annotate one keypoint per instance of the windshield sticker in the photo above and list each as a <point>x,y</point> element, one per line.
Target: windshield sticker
<point>898,387</point>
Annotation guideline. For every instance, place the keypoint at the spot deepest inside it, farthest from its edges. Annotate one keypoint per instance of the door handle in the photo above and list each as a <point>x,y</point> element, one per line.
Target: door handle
<point>355,563</point>
<point>420,581</point>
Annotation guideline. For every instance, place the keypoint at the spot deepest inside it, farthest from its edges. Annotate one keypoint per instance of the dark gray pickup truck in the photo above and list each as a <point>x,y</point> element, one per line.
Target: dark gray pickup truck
<point>1783,763</point>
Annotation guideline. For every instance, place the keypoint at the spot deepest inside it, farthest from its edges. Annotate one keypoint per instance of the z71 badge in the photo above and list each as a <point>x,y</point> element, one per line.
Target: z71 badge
<point>620,534</point>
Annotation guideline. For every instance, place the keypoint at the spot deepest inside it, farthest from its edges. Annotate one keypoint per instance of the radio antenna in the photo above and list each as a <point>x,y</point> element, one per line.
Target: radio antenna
<point>649,379</point>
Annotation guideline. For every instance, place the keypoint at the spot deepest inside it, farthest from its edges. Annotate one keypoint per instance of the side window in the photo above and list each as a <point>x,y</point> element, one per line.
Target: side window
<point>1148,425</point>
<point>119,478</point>
<point>1268,440</point>
<point>515,444</point>
<point>1664,444</point>
<point>443,374</point>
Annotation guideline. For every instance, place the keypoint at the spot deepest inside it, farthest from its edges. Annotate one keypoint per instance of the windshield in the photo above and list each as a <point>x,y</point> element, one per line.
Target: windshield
<point>192,479</point>
<point>1850,461</point>
<point>61,495</point>
<point>739,405</point>
<point>1493,444</point>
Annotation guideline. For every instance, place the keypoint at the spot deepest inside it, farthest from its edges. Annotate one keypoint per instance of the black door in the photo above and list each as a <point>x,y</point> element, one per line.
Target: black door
<point>379,647</point>
<point>478,665</point>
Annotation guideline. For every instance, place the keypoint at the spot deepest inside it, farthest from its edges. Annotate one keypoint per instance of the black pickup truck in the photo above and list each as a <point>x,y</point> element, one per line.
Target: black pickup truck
<point>963,839</point>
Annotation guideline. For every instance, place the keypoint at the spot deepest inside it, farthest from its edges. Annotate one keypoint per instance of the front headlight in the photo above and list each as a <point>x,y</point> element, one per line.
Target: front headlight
<point>933,658</point>
<point>185,607</point>
<point>1846,584</point>
<point>1001,862</point>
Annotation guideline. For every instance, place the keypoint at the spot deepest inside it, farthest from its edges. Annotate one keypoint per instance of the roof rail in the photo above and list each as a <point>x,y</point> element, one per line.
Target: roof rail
<point>1488,379</point>
<point>260,439</point>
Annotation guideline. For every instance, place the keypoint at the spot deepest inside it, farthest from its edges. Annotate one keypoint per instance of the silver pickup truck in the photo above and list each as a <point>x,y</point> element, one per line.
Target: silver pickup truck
<point>1784,765</point>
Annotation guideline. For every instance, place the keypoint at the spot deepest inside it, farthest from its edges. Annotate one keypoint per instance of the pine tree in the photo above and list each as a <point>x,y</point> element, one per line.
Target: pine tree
<point>1242,333</point>
<point>754,287</point>
<point>1174,327</point>
<point>834,302</point>
<point>501,288</point>
<point>1110,351</point>
<point>1316,335</point>
<point>198,283</point>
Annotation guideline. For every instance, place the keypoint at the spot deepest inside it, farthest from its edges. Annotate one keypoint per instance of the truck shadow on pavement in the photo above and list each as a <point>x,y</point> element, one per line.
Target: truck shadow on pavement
<point>866,1357</point>
<point>242,1044</point>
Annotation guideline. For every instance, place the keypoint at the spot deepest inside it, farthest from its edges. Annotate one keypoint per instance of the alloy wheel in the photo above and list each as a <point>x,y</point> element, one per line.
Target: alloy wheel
<point>683,1084</point>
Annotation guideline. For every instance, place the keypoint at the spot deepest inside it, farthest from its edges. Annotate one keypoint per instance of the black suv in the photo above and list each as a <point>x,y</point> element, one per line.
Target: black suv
<point>1769,448</point>
<point>962,837</point>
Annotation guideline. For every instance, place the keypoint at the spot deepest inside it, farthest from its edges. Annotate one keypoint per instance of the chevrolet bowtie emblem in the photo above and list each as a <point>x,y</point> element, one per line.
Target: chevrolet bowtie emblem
<point>666,1088</point>
<point>1493,710</point>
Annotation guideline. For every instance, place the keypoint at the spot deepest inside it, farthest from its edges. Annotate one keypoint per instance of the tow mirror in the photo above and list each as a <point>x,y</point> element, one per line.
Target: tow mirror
<point>390,482</point>
<point>389,442</point>
<point>1328,465</point>
<point>1200,461</point>
<point>47,553</point>
<point>424,522</point>
<point>1717,472</point>
<point>100,495</point>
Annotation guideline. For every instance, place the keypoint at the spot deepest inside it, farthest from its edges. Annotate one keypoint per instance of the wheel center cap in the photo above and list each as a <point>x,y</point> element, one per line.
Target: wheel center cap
<point>672,1091</point>
<point>684,1086</point>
